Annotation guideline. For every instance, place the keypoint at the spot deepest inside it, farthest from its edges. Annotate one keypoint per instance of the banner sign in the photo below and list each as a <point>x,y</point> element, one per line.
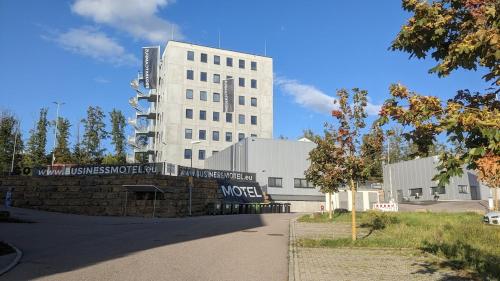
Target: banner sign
<point>150,56</point>
<point>228,95</point>
<point>215,174</point>
<point>93,170</point>
<point>241,191</point>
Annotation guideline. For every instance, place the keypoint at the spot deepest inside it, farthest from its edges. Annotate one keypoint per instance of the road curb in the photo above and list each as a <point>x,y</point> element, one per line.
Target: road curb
<point>292,253</point>
<point>14,262</point>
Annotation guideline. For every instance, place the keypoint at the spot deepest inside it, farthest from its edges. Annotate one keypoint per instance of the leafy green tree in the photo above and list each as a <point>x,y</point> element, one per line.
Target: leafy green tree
<point>323,171</point>
<point>10,137</point>
<point>372,149</point>
<point>110,159</point>
<point>457,34</point>
<point>94,133</point>
<point>62,153</point>
<point>118,135</point>
<point>36,154</point>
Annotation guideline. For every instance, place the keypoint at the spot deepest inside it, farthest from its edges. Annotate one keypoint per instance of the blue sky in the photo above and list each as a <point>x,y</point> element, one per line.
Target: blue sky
<point>85,52</point>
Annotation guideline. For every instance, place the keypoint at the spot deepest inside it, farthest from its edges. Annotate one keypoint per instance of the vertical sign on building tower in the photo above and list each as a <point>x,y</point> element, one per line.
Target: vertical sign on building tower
<point>228,95</point>
<point>150,57</point>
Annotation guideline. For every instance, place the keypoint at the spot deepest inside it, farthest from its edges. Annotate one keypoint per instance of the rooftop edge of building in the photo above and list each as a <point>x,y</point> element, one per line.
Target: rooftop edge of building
<point>216,48</point>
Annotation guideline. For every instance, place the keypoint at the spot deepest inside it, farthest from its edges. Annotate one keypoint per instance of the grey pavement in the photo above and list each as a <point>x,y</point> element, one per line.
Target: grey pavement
<point>332,264</point>
<point>73,247</point>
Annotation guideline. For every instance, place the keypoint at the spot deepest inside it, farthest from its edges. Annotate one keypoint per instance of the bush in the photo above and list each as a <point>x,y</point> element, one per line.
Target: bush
<point>378,220</point>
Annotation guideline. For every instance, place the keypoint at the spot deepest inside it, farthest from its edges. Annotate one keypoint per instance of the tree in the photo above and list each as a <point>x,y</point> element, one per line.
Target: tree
<point>62,153</point>
<point>79,156</point>
<point>324,172</point>
<point>118,135</point>
<point>94,133</point>
<point>372,149</point>
<point>308,134</point>
<point>36,154</point>
<point>282,137</point>
<point>10,139</point>
<point>457,34</point>
<point>471,120</point>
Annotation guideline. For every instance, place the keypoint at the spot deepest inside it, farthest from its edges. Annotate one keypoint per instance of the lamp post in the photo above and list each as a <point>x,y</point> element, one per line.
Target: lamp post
<point>191,177</point>
<point>55,131</point>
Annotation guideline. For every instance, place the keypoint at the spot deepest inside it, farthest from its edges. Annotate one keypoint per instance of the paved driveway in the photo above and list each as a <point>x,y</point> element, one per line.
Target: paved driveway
<point>72,247</point>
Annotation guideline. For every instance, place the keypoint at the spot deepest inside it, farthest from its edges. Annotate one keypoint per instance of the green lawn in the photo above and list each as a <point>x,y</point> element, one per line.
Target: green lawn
<point>461,238</point>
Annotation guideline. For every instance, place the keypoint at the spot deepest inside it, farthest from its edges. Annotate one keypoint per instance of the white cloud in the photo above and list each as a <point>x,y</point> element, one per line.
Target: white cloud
<point>137,17</point>
<point>314,99</point>
<point>95,44</point>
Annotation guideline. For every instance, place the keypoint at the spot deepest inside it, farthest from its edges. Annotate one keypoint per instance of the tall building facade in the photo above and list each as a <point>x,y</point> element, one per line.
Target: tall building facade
<point>188,119</point>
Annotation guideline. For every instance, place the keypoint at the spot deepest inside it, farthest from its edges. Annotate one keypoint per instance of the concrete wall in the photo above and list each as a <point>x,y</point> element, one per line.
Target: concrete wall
<point>418,173</point>
<point>173,102</point>
<point>342,200</point>
<point>105,195</point>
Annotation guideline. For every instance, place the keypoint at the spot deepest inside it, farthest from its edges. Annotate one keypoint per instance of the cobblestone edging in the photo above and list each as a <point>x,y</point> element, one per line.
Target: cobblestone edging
<point>14,262</point>
<point>292,252</point>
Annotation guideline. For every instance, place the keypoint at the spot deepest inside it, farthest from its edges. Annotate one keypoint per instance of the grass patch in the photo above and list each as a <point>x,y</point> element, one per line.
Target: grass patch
<point>461,238</point>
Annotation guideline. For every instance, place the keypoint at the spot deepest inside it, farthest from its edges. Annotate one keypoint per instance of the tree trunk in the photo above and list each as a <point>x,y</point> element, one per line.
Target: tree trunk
<point>353,210</point>
<point>330,211</point>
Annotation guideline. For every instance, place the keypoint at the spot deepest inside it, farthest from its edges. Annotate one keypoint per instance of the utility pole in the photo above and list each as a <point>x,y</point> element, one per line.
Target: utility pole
<point>55,131</point>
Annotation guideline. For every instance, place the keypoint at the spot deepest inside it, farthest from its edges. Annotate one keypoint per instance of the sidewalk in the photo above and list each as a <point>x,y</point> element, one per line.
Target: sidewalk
<point>320,264</point>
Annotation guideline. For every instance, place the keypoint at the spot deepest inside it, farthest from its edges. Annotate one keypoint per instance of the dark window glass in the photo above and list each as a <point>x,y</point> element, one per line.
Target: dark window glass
<point>229,62</point>
<point>216,97</point>
<point>241,100</point>
<point>438,190</point>
<point>202,135</point>
<point>241,64</point>
<point>241,119</point>
<point>463,189</point>
<point>203,115</point>
<point>229,117</point>
<point>253,101</point>
<point>203,76</point>
<point>188,134</point>
<point>253,83</point>
<point>203,95</point>
<point>253,135</point>
<point>215,135</point>
<point>216,60</point>
<point>190,75</point>
<point>216,78</point>
<point>229,136</point>
<point>253,65</point>
<point>241,136</point>
<point>190,55</point>
<point>253,120</point>
<point>204,57</point>
<point>189,113</point>
<point>416,192</point>
<point>241,82</point>
<point>215,116</point>
<point>275,182</point>
<point>187,154</point>
<point>301,183</point>
<point>214,152</point>
<point>189,94</point>
<point>201,154</point>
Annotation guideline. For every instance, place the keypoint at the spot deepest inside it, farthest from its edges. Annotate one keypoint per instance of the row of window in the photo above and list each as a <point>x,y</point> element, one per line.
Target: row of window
<point>188,153</point>
<point>216,60</point>
<point>202,135</point>
<point>297,182</point>
<point>216,97</point>
<point>435,190</point>
<point>216,116</point>
<point>216,78</point>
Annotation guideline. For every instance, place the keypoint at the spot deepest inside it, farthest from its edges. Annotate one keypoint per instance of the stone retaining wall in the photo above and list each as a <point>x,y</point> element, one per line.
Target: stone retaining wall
<point>105,195</point>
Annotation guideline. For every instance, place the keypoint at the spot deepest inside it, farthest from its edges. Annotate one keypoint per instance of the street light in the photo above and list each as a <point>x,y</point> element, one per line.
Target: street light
<point>191,177</point>
<point>55,131</point>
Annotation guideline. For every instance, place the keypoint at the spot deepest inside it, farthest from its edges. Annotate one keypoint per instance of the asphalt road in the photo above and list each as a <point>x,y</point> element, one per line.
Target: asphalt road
<point>72,247</point>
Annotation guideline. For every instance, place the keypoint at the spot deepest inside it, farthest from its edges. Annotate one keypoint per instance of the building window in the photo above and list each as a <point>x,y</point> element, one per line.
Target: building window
<point>229,117</point>
<point>253,101</point>
<point>215,135</point>
<point>188,134</point>
<point>253,83</point>
<point>253,65</point>
<point>229,77</point>
<point>253,135</point>
<point>215,116</point>
<point>204,57</point>
<point>216,97</point>
<point>241,118</point>
<point>438,190</point>
<point>201,154</point>
<point>190,55</point>
<point>417,192</point>
<point>274,182</point>
<point>187,153</point>
<point>301,183</point>
<point>253,120</point>
<point>463,189</point>
<point>189,113</point>
<point>241,64</point>
<point>202,135</point>
<point>241,136</point>
<point>214,152</point>
<point>241,100</point>
<point>229,62</point>
<point>216,60</point>
<point>229,136</point>
<point>216,78</point>
<point>203,115</point>
<point>241,82</point>
<point>203,76</point>
<point>189,94</point>
<point>203,95</point>
<point>189,75</point>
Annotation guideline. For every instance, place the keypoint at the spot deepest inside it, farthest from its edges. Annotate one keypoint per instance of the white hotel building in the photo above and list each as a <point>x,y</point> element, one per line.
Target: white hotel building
<point>185,116</point>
